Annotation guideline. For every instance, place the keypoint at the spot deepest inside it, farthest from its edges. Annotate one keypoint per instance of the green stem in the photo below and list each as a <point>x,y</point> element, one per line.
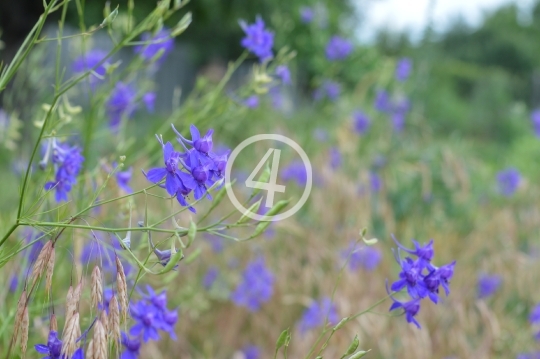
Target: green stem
<point>104,229</point>
<point>11,230</point>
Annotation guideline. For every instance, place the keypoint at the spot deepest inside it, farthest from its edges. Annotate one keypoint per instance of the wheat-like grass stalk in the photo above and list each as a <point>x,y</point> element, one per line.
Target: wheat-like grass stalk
<point>21,305</point>
<point>90,350</point>
<point>50,270</point>
<point>69,338</point>
<point>41,262</point>
<point>97,287</point>
<point>122,289</point>
<point>114,322</point>
<point>104,319</point>
<point>100,342</point>
<point>25,323</point>
<point>53,323</point>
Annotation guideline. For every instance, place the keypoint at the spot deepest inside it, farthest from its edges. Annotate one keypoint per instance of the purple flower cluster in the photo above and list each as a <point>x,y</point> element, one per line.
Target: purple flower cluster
<point>284,74</point>
<point>317,314</point>
<point>256,287</point>
<point>397,109</point>
<point>294,171</point>
<point>488,285</point>
<point>151,316</point>
<point>403,69</point>
<point>329,89</point>
<point>160,42</point>
<point>258,40</point>
<point>535,119</point>
<point>361,122</point>
<point>508,181</point>
<point>365,257</point>
<point>338,48</point>
<point>90,61</point>
<point>534,319</point>
<point>251,102</point>
<point>307,14</point>
<point>67,162</point>
<point>53,348</point>
<point>122,103</point>
<point>420,278</point>
<point>200,167</point>
<point>251,352</point>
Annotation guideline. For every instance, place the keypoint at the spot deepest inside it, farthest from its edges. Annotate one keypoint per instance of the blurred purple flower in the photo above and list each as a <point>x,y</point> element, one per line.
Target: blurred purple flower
<point>251,102</point>
<point>535,119</point>
<point>382,101</point>
<point>123,178</point>
<point>534,317</point>
<point>256,286</point>
<point>121,104</point>
<point>361,122</point>
<point>398,121</point>
<point>508,181</point>
<point>329,89</point>
<point>162,41</point>
<point>335,158</point>
<point>306,14</point>
<point>276,97</point>
<point>210,277</point>
<point>149,100</point>
<point>68,162</point>
<point>90,60</point>
<point>294,171</point>
<point>366,257</point>
<point>251,352</point>
<point>13,283</point>
<point>411,309</point>
<point>132,347</point>
<point>320,134</point>
<point>284,74</point>
<point>338,48</point>
<point>403,69</point>
<point>317,313</point>
<point>258,40</point>
<point>488,285</point>
<point>375,182</point>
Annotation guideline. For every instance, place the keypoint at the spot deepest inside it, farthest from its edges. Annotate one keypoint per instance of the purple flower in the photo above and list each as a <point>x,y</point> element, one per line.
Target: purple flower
<point>535,119</point>
<point>256,287</point>
<point>306,14</point>
<point>131,346</point>
<point>53,347</point>
<point>276,97</point>
<point>424,253</point>
<point>251,352</point>
<point>97,251</point>
<point>329,89</point>
<point>403,69</point>
<point>488,285</point>
<point>533,355</point>
<point>382,101</point>
<point>90,60</point>
<point>146,323</point>
<point>123,178</point>
<point>360,122</point>
<point>284,74</point>
<point>335,158</point>
<point>13,283</point>
<point>202,144</point>
<point>121,104</point>
<point>258,40</point>
<point>411,309</point>
<point>375,182</point>
<point>320,134</point>
<point>398,121</point>
<point>251,102</point>
<point>149,100</point>
<point>508,181</point>
<point>534,317</point>
<point>210,277</point>
<point>295,171</point>
<point>411,278</point>
<point>338,48</point>
<point>366,257</point>
<point>317,313</point>
<point>164,319</point>
<point>68,163</point>
<point>162,41</point>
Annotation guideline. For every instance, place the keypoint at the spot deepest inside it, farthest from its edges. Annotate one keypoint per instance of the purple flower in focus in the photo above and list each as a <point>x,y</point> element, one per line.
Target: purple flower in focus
<point>366,257</point>
<point>149,100</point>
<point>284,74</point>
<point>90,60</point>
<point>256,287</point>
<point>210,277</point>
<point>535,119</point>
<point>488,285</point>
<point>251,352</point>
<point>335,158</point>
<point>258,40</point>
<point>317,314</point>
<point>121,104</point>
<point>146,322</point>
<point>295,171</point>
<point>162,41</point>
<point>53,347</point>
<point>338,48</point>
<point>360,122</point>
<point>411,309</point>
<point>382,101</point>
<point>68,163</point>
<point>423,253</point>
<point>403,69</point>
<point>251,102</point>
<point>306,14</point>
<point>508,181</point>
<point>131,346</point>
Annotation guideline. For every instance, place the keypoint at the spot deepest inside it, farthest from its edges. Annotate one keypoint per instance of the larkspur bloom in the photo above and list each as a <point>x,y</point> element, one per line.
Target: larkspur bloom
<point>162,42</point>
<point>13,283</point>
<point>488,285</point>
<point>399,113</point>
<point>535,119</point>
<point>146,323</point>
<point>508,181</point>
<point>277,97</point>
<point>307,14</point>
<point>165,319</point>
<point>131,346</point>
<point>251,102</point>
<point>258,40</point>
<point>534,317</point>
<point>366,257</point>
<point>382,101</point>
<point>317,314</point>
<point>420,277</point>
<point>294,171</point>
<point>335,158</point>
<point>375,182</point>
<point>123,178</point>
<point>210,277</point>
<point>338,48</point>
<point>99,251</point>
<point>251,352</point>
<point>121,104</point>
<point>67,162</point>
<point>90,61</point>
<point>361,122</point>
<point>329,89</point>
<point>284,74</point>
<point>403,69</point>
<point>149,100</point>
<point>256,287</point>
<point>53,347</point>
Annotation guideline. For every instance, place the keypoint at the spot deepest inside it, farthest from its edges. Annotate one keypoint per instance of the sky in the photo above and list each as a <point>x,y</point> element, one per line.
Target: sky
<point>411,15</point>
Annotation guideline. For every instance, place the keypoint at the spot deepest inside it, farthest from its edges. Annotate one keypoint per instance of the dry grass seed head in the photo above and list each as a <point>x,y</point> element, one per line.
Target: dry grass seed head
<point>24,331</point>
<point>90,350</point>
<point>122,289</point>
<point>69,338</point>
<point>97,287</point>
<point>21,305</point>
<point>100,341</point>
<point>41,262</point>
<point>50,271</point>
<point>53,323</point>
<point>114,321</point>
